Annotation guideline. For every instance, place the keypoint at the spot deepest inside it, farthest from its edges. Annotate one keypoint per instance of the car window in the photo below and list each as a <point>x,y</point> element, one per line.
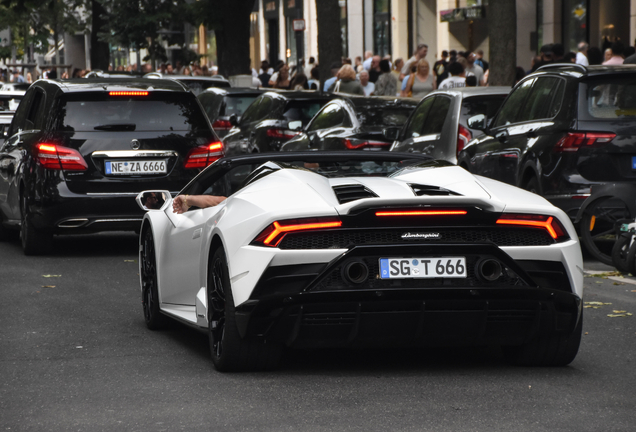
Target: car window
<point>510,109</point>
<point>437,116</point>
<point>383,116</point>
<point>250,113</point>
<point>211,104</point>
<point>235,104</point>
<point>20,115</point>
<point>33,119</point>
<point>416,124</point>
<point>487,105</point>
<point>9,102</point>
<point>303,110</point>
<point>608,97</point>
<point>557,100</point>
<point>264,109</point>
<point>230,182</point>
<point>160,111</point>
<point>539,101</point>
<point>332,115</point>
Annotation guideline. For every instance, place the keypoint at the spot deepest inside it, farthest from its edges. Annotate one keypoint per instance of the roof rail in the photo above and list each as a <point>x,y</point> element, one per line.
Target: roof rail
<point>578,67</point>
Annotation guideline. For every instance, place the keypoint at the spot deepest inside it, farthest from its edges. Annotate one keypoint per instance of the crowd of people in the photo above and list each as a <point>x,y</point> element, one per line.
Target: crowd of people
<point>378,76</point>
<point>374,75</point>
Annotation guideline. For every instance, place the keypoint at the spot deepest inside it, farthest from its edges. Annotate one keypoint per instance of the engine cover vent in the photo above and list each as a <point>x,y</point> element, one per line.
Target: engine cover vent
<point>353,192</point>
<point>421,190</point>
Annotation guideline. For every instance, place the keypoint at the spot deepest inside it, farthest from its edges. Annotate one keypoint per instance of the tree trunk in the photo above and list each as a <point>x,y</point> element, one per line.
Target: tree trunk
<point>233,38</point>
<point>502,22</point>
<point>100,53</point>
<point>329,38</point>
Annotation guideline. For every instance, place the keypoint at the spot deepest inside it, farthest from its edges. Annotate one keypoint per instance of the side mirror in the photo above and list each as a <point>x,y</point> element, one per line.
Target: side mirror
<point>391,133</point>
<point>154,200</point>
<point>295,126</point>
<point>479,122</point>
<point>234,120</point>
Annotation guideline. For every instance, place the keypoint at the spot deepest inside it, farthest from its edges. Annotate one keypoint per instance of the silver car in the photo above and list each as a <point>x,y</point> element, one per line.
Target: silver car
<point>437,127</point>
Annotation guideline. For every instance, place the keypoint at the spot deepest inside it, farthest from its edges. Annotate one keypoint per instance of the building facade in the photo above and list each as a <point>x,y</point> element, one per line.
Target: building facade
<point>396,27</point>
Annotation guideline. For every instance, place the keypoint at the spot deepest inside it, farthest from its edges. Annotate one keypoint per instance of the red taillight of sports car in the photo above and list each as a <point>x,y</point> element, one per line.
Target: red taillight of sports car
<point>202,156</point>
<point>56,157</point>
<point>548,223</point>
<point>273,234</point>
<point>576,140</point>
<point>421,213</point>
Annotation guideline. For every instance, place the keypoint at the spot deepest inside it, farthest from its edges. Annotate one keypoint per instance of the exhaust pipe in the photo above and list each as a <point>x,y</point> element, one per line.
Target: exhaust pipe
<point>355,272</point>
<point>489,270</point>
<point>72,223</point>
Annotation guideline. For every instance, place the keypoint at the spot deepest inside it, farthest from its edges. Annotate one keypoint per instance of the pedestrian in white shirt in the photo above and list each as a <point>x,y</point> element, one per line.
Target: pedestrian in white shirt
<point>457,78</point>
<point>581,56</point>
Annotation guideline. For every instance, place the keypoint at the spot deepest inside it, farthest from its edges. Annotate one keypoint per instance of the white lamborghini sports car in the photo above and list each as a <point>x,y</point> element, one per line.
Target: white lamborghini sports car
<point>354,249</point>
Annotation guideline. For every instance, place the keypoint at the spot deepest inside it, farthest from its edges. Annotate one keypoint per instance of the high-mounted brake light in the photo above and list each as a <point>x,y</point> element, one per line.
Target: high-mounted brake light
<point>354,144</point>
<point>202,156</point>
<point>421,213</point>
<point>128,93</point>
<point>274,234</point>
<point>548,223</point>
<point>55,157</point>
<point>575,140</point>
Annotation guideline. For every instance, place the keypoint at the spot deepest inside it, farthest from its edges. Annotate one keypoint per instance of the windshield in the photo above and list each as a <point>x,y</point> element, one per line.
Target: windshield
<point>155,112</point>
<point>383,116</point>
<point>608,97</point>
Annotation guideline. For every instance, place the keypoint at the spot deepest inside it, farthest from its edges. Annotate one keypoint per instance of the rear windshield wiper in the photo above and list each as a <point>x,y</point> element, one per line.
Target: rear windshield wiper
<point>126,127</point>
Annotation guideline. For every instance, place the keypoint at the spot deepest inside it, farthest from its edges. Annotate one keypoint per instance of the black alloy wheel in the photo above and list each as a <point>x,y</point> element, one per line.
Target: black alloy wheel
<point>230,352</point>
<point>34,242</point>
<point>600,226</point>
<point>532,185</point>
<point>154,319</point>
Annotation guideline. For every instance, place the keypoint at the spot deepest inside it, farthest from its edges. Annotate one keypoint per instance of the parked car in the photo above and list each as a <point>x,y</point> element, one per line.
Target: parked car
<point>220,104</point>
<point>358,248</point>
<point>78,151</point>
<point>264,126</point>
<point>351,123</point>
<point>438,126</point>
<point>561,130</point>
<point>113,74</point>
<point>195,83</point>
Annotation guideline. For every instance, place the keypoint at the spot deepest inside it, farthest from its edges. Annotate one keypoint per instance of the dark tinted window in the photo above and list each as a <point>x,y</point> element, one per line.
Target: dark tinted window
<point>157,111</point>
<point>235,104</point>
<point>383,116</point>
<point>539,102</point>
<point>264,109</point>
<point>211,104</point>
<point>250,113</point>
<point>487,105</point>
<point>21,113</point>
<point>437,116</point>
<point>510,109</point>
<point>332,115</point>
<point>557,100</point>
<point>416,124</point>
<point>303,110</point>
<point>608,97</point>
<point>33,119</point>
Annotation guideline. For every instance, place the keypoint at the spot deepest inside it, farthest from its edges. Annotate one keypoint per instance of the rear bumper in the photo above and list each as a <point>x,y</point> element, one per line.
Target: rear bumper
<point>314,305</point>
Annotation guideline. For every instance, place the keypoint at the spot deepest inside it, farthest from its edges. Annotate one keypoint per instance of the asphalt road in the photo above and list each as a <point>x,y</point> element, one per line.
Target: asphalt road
<point>75,355</point>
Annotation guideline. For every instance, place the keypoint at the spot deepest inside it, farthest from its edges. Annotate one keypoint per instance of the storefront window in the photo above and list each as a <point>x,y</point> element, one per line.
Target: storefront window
<point>382,27</point>
<point>575,23</point>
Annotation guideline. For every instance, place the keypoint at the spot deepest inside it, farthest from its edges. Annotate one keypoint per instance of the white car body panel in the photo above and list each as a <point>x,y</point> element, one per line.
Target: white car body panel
<point>183,241</point>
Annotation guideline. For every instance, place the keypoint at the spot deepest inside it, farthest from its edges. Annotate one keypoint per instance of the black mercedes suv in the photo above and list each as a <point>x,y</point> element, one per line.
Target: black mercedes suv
<point>561,130</point>
<point>79,151</point>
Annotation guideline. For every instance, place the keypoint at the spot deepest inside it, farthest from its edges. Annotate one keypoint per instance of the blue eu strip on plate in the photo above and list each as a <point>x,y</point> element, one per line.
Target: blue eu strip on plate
<point>108,169</point>
<point>634,162</point>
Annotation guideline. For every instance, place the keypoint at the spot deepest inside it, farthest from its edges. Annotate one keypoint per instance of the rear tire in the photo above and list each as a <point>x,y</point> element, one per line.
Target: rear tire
<point>34,242</point>
<point>620,252</point>
<point>631,259</point>
<point>555,349</point>
<point>230,352</point>
<point>532,185</point>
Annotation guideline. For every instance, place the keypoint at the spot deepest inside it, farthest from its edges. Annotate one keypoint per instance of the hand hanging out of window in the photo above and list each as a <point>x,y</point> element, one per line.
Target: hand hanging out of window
<point>182,203</point>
